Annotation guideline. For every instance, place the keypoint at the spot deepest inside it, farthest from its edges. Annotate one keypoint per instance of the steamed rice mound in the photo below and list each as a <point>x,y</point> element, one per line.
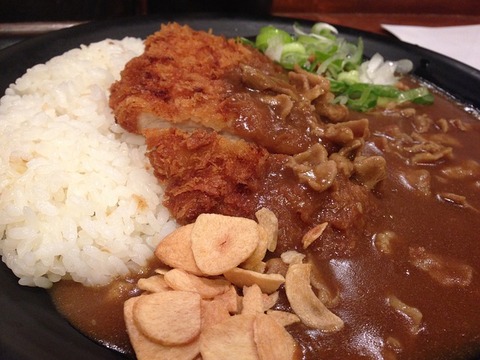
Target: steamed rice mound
<point>77,198</point>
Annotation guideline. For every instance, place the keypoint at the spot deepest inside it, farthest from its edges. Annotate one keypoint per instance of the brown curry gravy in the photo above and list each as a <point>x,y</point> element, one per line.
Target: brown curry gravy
<point>365,276</point>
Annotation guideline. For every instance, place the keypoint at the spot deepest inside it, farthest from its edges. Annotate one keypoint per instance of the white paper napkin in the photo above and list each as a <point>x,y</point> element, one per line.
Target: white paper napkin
<point>459,42</point>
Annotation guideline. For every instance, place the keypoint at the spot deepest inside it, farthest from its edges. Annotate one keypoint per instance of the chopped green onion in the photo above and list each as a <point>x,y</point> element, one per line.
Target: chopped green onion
<point>348,77</point>
<point>321,51</point>
<point>362,97</point>
<point>293,53</point>
<point>245,41</point>
<point>419,95</point>
<point>267,33</point>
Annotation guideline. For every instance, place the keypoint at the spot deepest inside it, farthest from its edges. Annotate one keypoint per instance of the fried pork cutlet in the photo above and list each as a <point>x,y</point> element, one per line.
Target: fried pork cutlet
<point>193,79</point>
<point>206,173</point>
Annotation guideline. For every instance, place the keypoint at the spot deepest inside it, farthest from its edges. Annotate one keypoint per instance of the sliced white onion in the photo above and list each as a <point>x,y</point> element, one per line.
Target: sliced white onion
<point>298,31</point>
<point>381,72</point>
<point>404,66</point>
<point>321,38</point>
<point>275,48</point>
<point>322,26</point>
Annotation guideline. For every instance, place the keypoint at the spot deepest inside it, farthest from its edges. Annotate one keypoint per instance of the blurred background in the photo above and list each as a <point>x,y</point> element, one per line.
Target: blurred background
<point>80,10</point>
<point>23,18</point>
<point>77,10</point>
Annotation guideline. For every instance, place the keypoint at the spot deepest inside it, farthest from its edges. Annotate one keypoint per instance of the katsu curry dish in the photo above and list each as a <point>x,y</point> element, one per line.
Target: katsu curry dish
<point>192,196</point>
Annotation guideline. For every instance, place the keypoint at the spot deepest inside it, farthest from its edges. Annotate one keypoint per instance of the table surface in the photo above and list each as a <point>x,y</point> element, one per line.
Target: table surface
<point>372,21</point>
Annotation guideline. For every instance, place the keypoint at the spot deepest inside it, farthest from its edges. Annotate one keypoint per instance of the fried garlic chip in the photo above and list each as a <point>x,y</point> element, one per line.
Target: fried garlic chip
<point>313,234</point>
<point>272,340</point>
<point>220,243</point>
<point>169,317</point>
<point>155,283</point>
<point>175,250</point>
<point>284,318</point>
<point>252,302</point>
<point>292,257</point>
<point>305,303</point>
<point>268,220</point>
<point>255,261</point>
<point>146,349</point>
<point>268,283</point>
<point>207,288</point>
<point>269,300</point>
<point>231,339</point>
<point>214,312</point>
<point>231,299</point>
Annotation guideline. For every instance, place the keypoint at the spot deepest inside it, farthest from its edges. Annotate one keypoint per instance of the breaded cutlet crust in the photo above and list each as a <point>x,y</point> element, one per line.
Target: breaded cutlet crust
<point>205,172</point>
<point>180,78</point>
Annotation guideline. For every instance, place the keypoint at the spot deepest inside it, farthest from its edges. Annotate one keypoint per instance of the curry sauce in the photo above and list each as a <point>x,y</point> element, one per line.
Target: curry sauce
<point>402,257</point>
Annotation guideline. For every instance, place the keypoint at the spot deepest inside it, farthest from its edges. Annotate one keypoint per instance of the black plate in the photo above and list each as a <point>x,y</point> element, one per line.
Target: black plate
<point>30,327</point>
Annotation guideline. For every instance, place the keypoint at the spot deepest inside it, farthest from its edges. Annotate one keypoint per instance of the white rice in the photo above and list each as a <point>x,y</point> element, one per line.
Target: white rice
<point>77,199</point>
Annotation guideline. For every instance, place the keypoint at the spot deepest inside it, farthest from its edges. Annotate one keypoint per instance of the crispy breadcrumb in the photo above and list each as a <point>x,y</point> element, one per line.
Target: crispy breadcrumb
<point>204,172</point>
